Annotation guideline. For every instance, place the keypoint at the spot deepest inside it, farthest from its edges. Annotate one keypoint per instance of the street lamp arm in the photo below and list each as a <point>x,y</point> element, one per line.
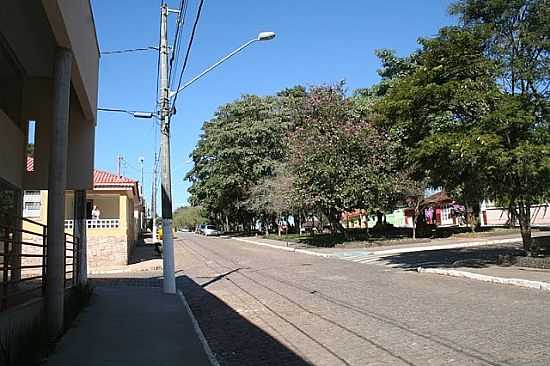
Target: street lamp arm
<point>228,56</point>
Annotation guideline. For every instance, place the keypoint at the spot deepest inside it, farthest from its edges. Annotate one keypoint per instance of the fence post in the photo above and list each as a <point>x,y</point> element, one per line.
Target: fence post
<point>5,269</point>
<point>44,258</point>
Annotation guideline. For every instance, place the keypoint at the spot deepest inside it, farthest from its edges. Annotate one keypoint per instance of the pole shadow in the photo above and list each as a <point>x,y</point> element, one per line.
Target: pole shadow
<point>234,340</point>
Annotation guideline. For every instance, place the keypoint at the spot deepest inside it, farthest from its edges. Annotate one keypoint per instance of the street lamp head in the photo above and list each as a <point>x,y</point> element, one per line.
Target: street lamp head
<point>142,114</point>
<point>266,36</point>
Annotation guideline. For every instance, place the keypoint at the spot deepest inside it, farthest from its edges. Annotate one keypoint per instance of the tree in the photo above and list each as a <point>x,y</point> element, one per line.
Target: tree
<point>340,161</point>
<point>518,41</point>
<point>189,217</point>
<point>237,148</point>
<point>271,197</point>
<point>435,112</point>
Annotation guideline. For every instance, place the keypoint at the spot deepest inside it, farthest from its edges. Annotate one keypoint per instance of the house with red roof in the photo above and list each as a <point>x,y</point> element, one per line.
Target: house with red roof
<point>114,217</point>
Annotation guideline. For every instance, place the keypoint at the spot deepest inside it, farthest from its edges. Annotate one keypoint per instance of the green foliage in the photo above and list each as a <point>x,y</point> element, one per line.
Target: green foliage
<point>339,159</point>
<point>189,217</point>
<point>468,112</point>
<point>237,148</point>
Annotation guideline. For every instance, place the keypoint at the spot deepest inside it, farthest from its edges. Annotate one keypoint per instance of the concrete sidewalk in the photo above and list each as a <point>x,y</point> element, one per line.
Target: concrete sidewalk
<point>132,326</point>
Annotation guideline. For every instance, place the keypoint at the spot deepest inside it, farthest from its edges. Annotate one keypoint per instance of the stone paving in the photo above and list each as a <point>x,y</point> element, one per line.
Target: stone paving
<point>261,306</point>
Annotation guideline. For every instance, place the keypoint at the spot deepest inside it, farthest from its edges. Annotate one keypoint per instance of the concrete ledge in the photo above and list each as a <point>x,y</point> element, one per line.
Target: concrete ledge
<point>198,330</point>
<point>539,285</point>
<point>288,249</point>
<point>150,265</point>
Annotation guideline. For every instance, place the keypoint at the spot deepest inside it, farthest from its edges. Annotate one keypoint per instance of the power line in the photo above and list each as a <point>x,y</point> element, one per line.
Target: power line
<point>197,17</point>
<point>112,52</point>
<point>177,40</point>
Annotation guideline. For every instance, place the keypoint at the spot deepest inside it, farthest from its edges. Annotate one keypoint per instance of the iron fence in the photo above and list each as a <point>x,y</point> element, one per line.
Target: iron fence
<point>23,256</point>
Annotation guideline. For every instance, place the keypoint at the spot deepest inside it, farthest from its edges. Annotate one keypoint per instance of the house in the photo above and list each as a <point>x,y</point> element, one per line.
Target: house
<point>493,215</point>
<point>49,62</point>
<point>111,237</point>
<point>439,209</point>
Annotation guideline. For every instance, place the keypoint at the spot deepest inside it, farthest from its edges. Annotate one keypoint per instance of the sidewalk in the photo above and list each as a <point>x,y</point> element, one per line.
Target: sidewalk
<point>425,244</point>
<point>515,276</point>
<point>131,326</point>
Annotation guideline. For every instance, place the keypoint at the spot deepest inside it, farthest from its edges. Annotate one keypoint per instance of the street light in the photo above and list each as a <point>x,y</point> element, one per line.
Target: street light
<point>263,36</point>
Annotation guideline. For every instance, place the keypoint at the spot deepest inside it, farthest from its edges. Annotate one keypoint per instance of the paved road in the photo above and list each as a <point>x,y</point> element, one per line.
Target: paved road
<point>261,306</point>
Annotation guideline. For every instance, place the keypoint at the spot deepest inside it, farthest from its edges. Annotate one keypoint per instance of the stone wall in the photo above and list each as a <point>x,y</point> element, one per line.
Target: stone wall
<point>108,251</point>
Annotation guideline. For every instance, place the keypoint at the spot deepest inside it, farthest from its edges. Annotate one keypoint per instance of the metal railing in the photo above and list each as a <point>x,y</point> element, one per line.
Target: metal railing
<point>23,256</point>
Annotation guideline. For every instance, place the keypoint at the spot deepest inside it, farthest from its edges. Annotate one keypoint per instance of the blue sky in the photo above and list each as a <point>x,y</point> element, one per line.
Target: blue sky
<point>318,41</point>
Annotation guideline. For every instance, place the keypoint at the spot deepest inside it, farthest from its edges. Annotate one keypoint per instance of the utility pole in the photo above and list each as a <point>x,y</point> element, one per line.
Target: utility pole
<point>154,199</point>
<point>169,280</point>
<point>141,160</point>
<point>143,214</point>
<point>119,160</point>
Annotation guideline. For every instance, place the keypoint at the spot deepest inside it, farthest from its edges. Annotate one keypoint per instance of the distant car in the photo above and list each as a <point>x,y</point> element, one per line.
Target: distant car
<point>211,230</point>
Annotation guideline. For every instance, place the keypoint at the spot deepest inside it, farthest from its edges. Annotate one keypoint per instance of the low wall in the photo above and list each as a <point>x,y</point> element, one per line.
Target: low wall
<point>107,251</point>
<point>23,330</point>
<point>103,251</point>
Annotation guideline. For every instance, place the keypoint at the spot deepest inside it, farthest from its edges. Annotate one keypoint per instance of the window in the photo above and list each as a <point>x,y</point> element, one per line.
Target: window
<point>31,136</point>
<point>31,204</point>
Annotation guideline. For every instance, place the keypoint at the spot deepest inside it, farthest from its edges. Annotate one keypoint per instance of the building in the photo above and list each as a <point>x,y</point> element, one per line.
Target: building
<point>439,209</point>
<point>493,215</point>
<point>112,236</point>
<point>49,62</point>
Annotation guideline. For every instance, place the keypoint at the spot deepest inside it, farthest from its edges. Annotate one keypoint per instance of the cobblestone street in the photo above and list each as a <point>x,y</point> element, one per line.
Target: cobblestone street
<point>259,306</point>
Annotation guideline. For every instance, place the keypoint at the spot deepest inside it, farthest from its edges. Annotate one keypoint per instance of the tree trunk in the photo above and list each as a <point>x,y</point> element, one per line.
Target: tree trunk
<point>379,217</point>
<point>414,224</point>
<point>525,226</point>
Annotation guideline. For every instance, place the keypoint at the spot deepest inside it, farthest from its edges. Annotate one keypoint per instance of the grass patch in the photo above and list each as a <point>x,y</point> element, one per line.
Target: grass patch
<point>388,236</point>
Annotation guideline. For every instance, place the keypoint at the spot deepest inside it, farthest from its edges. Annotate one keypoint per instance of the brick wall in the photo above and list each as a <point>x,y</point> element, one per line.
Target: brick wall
<point>107,251</point>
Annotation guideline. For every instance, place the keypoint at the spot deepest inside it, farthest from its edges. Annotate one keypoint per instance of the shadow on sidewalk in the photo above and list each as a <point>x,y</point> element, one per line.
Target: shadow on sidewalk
<point>476,257</point>
<point>143,251</point>
<point>234,339</point>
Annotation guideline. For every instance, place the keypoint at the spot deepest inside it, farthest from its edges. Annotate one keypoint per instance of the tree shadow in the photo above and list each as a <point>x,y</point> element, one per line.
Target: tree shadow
<point>476,257</point>
<point>235,340</point>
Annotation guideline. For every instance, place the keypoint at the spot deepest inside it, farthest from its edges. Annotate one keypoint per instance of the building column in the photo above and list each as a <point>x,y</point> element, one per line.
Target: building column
<point>81,272</point>
<point>57,179</point>
<point>16,249</point>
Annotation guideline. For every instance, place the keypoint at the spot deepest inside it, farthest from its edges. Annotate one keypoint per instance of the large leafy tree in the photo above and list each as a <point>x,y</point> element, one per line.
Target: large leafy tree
<point>435,112</point>
<point>339,160</point>
<point>237,148</point>
<point>518,41</point>
<point>189,217</point>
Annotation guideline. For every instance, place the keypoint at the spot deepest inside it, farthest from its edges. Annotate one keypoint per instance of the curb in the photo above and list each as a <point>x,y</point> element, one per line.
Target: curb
<point>125,270</point>
<point>302,251</point>
<point>538,285</point>
<point>443,246</point>
<point>200,334</point>
<point>387,252</point>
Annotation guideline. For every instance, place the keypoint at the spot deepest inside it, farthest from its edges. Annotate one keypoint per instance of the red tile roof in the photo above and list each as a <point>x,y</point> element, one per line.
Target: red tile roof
<point>103,178</point>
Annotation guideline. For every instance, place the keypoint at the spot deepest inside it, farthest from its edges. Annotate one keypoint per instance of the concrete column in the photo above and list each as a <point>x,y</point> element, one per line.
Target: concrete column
<point>16,249</point>
<point>81,272</point>
<point>57,179</point>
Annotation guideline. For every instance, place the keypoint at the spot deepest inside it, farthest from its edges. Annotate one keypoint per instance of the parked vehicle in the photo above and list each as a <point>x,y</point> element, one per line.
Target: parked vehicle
<point>211,230</point>
<point>200,229</point>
